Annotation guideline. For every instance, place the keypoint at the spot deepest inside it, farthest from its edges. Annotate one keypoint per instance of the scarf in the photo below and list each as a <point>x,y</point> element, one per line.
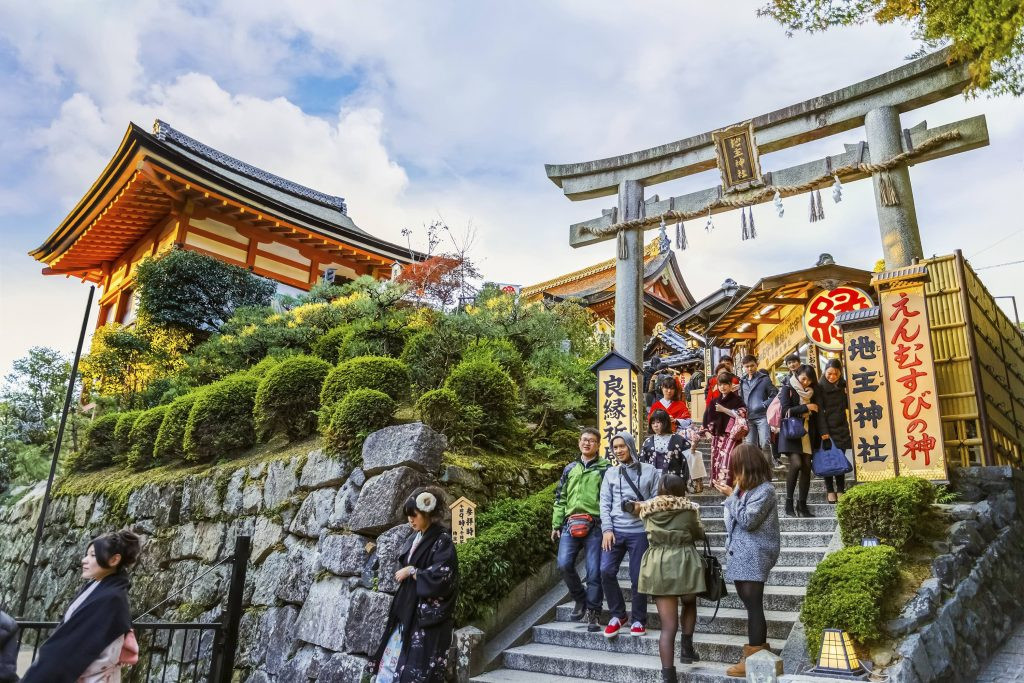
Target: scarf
<point>804,394</point>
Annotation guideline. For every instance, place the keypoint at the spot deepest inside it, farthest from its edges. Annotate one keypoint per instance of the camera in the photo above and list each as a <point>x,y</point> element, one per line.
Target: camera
<point>628,506</point>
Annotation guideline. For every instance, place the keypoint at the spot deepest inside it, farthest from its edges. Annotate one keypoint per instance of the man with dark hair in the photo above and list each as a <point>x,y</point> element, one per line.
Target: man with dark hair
<point>757,391</point>
<point>576,525</point>
<point>793,362</point>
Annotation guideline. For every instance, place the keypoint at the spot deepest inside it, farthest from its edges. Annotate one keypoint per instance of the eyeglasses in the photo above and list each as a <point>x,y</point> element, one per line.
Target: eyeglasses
<point>588,440</point>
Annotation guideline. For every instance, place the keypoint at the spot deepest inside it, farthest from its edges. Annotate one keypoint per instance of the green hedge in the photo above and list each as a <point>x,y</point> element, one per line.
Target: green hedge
<point>220,422</point>
<point>123,429</point>
<point>501,351</point>
<point>356,416</point>
<point>441,410</point>
<point>329,346</point>
<point>170,438</point>
<point>849,590</point>
<point>100,444</point>
<point>287,398</point>
<point>893,510</point>
<point>513,540</point>
<point>484,384</point>
<point>142,438</point>
<point>380,373</point>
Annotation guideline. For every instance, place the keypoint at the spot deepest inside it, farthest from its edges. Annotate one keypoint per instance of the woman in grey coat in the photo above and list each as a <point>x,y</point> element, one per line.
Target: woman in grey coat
<point>753,544</point>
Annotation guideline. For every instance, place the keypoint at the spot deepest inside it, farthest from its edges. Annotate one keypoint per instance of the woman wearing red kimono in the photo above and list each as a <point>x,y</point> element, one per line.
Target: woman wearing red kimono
<point>677,410</point>
<point>717,421</point>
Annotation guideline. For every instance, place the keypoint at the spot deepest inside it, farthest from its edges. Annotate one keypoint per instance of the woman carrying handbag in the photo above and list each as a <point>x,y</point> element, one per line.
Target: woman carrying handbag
<point>834,424</point>
<point>753,541</point>
<point>799,435</point>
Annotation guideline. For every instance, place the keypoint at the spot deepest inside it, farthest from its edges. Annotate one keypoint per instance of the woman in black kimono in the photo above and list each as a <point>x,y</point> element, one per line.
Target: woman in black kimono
<point>87,644</point>
<point>419,629</point>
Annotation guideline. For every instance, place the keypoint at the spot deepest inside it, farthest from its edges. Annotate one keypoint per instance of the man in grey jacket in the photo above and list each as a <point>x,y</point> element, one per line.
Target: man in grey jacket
<point>624,532</point>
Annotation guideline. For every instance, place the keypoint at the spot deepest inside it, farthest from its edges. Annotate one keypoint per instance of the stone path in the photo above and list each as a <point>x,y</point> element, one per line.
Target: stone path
<point>1007,664</point>
<point>563,650</point>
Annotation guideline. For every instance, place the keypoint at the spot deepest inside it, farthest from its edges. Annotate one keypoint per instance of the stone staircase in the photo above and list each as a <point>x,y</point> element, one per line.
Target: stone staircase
<point>562,650</point>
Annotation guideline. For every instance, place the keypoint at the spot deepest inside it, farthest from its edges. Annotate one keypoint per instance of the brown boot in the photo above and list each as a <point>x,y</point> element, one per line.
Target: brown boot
<point>740,668</point>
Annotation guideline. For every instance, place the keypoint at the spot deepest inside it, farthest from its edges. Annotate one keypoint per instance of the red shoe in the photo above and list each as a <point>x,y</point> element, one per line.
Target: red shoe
<point>638,629</point>
<point>612,629</point>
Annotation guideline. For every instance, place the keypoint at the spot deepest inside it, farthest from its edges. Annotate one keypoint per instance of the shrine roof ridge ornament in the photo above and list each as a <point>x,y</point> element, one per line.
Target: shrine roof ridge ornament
<point>164,132</point>
<point>911,86</point>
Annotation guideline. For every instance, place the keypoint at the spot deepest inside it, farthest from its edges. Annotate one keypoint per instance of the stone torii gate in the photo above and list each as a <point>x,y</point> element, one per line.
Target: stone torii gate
<point>889,149</point>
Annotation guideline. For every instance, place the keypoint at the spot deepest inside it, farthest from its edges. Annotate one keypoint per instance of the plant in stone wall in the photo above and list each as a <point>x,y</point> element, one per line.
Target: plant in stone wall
<point>850,589</point>
<point>142,437</point>
<point>895,511</point>
<point>357,415</point>
<point>220,422</point>
<point>287,398</point>
<point>170,437</point>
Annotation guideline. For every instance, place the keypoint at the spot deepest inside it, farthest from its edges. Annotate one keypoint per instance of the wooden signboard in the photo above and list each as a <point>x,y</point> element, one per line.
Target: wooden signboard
<point>463,519</point>
<point>738,159</point>
<point>619,399</point>
<point>870,420</point>
<point>781,340</point>
<point>912,393</point>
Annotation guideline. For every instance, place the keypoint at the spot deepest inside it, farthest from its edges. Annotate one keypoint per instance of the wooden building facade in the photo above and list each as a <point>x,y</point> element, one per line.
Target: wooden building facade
<point>164,188</point>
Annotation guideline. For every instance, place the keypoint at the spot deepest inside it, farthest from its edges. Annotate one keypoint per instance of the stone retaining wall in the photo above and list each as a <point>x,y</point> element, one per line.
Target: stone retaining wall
<point>973,599</point>
<point>324,547</point>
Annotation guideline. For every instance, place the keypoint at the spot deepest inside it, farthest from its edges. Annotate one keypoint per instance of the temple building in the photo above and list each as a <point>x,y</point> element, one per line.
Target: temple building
<point>665,291</point>
<point>164,188</point>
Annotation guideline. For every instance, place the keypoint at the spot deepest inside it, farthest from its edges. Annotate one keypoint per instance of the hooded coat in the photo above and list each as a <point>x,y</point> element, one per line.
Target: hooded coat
<point>615,489</point>
<point>77,642</point>
<point>425,608</point>
<point>671,563</point>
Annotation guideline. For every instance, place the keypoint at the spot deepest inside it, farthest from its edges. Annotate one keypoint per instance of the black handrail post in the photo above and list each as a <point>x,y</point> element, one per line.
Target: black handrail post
<point>23,601</point>
<point>233,617</point>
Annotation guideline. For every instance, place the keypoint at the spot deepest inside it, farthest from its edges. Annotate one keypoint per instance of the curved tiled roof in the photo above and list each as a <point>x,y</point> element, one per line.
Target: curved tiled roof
<point>166,133</point>
<point>650,251</point>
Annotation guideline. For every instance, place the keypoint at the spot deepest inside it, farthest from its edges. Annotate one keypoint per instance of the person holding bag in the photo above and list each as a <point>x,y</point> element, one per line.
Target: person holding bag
<point>87,645</point>
<point>623,532</point>
<point>799,435</point>
<point>834,423</point>
<point>576,526</point>
<point>671,569</point>
<point>753,541</point>
<point>671,452</point>
<point>718,422</point>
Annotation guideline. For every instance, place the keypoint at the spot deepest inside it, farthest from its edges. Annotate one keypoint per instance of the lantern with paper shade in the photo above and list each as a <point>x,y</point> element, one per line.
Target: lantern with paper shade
<point>837,656</point>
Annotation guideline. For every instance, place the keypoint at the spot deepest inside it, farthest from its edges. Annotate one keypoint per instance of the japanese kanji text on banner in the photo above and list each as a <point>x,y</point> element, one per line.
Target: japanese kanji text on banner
<point>873,442</point>
<point>915,405</point>
<point>820,314</point>
<point>618,399</point>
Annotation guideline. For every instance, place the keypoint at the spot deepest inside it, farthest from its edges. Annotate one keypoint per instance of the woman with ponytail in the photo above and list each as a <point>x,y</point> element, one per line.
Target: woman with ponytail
<point>418,634</point>
<point>86,645</point>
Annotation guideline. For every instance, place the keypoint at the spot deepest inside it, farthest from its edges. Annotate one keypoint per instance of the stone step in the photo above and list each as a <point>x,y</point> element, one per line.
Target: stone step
<point>788,557</point>
<point>711,497</point>
<point>713,647</point>
<point>776,597</point>
<point>612,667</point>
<point>817,509</point>
<point>779,576</point>
<point>790,539</point>
<point>514,676</point>
<point>829,524</point>
<point>730,621</point>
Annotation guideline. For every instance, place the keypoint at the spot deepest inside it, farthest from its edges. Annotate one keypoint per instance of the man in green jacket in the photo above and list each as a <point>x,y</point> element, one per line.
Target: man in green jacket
<point>577,498</point>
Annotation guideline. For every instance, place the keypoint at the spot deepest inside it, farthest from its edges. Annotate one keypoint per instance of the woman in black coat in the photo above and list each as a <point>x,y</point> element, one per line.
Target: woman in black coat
<point>418,634</point>
<point>797,399</point>
<point>833,421</point>
<point>86,645</point>
<point>8,648</point>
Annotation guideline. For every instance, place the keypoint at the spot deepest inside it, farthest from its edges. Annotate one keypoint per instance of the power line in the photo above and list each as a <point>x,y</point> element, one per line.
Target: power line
<point>998,265</point>
<point>998,242</point>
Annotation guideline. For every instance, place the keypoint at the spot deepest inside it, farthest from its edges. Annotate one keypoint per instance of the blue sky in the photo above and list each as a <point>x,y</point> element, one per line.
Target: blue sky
<point>413,111</point>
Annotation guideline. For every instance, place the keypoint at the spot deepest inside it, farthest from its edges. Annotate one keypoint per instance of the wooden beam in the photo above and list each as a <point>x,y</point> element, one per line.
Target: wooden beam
<point>184,216</point>
<point>154,177</point>
<point>973,134</point>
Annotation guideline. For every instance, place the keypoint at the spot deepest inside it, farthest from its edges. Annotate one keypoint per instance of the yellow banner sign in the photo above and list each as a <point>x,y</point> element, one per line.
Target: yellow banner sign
<point>618,404</point>
<point>820,315</point>
<point>914,399</point>
<point>871,424</point>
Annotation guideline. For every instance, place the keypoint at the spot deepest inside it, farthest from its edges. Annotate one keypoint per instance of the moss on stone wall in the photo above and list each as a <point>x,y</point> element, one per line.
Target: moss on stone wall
<point>485,477</point>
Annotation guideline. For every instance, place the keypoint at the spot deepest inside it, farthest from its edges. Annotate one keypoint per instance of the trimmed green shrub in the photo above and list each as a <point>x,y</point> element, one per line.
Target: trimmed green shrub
<point>440,410</point>
<point>287,398</point>
<point>100,444</point>
<point>893,510</point>
<point>220,422</point>
<point>431,354</point>
<point>483,384</point>
<point>142,437</point>
<point>360,413</point>
<point>329,346</point>
<point>125,422</point>
<point>512,541</point>
<point>261,369</point>
<point>849,590</point>
<point>388,375</point>
<point>501,351</point>
<point>170,438</point>
<point>375,338</point>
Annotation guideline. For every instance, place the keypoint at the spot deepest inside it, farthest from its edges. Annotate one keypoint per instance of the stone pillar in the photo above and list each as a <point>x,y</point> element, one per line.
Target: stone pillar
<point>629,277</point>
<point>901,239</point>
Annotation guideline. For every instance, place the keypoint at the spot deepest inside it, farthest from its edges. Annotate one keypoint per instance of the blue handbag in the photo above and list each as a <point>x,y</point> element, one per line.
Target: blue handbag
<point>792,427</point>
<point>830,462</point>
